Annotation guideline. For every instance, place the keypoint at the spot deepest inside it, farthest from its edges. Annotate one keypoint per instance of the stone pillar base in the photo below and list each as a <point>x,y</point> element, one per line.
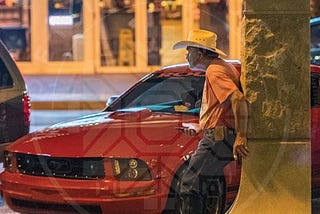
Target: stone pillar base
<point>275,179</point>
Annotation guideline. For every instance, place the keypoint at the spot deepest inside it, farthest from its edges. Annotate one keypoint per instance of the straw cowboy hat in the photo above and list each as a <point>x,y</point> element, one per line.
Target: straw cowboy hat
<point>200,39</point>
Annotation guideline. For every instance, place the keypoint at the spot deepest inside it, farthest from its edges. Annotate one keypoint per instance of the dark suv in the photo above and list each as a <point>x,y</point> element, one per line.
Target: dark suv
<point>14,100</point>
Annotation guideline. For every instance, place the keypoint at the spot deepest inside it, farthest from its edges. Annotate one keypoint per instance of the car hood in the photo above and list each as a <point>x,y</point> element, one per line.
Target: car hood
<point>130,131</point>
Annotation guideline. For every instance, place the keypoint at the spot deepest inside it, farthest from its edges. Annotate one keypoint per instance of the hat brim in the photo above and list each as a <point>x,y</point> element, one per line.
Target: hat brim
<point>185,44</point>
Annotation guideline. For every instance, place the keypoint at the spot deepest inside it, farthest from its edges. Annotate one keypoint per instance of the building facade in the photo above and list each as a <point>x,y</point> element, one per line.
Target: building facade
<point>111,36</point>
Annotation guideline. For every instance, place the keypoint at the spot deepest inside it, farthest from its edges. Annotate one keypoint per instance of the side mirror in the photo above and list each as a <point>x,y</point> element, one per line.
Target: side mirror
<point>111,99</point>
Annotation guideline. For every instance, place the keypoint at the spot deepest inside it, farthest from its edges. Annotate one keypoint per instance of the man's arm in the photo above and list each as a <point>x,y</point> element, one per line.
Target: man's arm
<point>240,111</point>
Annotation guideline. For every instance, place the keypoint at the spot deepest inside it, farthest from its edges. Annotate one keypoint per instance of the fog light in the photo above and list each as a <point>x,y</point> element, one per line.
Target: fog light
<point>135,194</point>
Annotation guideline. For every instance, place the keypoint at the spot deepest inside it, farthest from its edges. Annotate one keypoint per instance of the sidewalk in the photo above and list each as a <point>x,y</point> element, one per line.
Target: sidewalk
<point>76,92</point>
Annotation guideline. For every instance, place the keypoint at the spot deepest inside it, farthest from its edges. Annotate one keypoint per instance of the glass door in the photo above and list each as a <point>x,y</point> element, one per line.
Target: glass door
<point>117,33</point>
<point>59,44</point>
<point>65,29</point>
<point>164,29</point>
<point>123,48</point>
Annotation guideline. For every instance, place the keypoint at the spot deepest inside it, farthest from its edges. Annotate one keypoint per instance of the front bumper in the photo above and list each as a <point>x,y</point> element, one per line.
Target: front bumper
<point>34,194</point>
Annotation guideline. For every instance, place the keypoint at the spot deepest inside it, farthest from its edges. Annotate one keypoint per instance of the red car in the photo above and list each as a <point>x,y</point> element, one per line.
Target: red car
<point>126,159</point>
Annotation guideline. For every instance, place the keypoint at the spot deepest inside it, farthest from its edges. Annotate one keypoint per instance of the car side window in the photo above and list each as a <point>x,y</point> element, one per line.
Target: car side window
<point>5,77</point>
<point>315,90</point>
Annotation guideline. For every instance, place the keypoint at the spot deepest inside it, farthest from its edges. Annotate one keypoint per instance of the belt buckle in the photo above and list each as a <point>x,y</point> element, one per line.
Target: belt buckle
<point>219,133</point>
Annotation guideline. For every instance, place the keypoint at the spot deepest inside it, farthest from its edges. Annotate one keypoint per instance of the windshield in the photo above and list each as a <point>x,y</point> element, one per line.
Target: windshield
<point>166,92</point>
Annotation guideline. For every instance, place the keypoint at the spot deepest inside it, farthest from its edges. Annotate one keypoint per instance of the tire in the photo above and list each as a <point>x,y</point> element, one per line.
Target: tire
<point>173,201</point>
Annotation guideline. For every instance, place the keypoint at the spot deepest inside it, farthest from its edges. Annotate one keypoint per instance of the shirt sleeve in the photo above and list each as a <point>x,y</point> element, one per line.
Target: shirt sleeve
<point>220,83</point>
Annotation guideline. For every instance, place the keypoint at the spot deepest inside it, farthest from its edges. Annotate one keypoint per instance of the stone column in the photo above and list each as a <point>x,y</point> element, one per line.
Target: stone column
<point>275,77</point>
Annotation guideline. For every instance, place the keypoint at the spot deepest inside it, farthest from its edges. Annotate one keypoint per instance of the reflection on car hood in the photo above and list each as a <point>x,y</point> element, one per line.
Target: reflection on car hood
<point>107,134</point>
<point>132,114</point>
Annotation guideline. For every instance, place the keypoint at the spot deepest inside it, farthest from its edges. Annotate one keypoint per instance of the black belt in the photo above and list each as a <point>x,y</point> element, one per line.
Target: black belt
<point>211,131</point>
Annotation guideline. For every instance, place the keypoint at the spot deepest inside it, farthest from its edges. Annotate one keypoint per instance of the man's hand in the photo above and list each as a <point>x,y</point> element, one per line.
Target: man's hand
<point>191,129</point>
<point>240,147</point>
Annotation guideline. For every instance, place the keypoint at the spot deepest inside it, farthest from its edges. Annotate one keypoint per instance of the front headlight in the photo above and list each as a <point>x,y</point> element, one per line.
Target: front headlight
<point>130,169</point>
<point>9,161</point>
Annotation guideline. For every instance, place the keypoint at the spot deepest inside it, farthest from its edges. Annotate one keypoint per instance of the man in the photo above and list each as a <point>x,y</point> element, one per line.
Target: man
<point>223,122</point>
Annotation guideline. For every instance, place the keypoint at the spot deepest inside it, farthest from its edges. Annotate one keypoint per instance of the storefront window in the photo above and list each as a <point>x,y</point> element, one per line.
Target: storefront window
<point>15,28</point>
<point>117,33</point>
<point>65,30</point>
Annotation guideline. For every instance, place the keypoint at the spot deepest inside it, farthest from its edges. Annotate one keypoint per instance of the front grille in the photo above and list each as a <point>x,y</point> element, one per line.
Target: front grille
<point>56,208</point>
<point>73,168</point>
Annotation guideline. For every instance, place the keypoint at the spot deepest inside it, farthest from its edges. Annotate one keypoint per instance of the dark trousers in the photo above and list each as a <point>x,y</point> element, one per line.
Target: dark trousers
<point>206,164</point>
